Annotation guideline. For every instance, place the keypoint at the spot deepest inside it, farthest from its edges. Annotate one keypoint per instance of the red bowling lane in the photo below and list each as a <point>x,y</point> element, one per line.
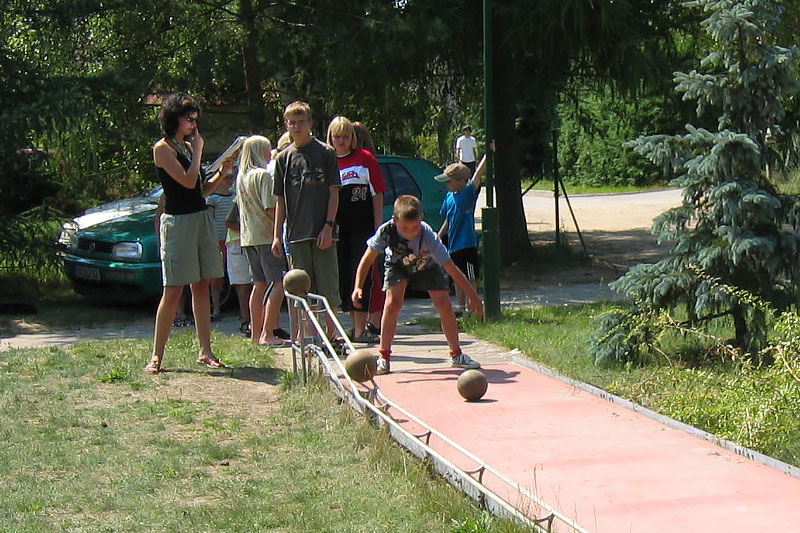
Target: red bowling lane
<point>607,468</point>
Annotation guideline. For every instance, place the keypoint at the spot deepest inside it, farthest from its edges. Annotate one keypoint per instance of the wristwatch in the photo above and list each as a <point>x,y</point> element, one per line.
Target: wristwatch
<point>330,222</point>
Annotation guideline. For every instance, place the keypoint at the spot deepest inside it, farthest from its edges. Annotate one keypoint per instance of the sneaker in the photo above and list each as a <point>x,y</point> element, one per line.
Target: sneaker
<point>383,366</point>
<point>367,338</point>
<point>245,328</point>
<point>340,347</point>
<point>462,360</point>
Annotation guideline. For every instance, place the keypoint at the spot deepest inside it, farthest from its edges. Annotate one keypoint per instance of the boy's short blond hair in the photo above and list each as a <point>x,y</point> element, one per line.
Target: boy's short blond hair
<point>407,208</point>
<point>458,171</point>
<point>297,108</point>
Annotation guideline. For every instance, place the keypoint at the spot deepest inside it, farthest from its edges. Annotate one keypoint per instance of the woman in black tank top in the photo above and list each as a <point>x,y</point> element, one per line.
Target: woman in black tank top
<point>189,249</point>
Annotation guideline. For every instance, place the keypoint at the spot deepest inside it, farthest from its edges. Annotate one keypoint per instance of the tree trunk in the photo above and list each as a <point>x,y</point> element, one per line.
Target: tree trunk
<point>252,72</point>
<point>740,327</point>
<point>514,241</point>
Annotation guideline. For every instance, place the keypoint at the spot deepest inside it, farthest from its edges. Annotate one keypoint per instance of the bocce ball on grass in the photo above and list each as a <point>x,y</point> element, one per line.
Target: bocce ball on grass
<point>296,282</point>
<point>472,385</point>
<point>361,365</point>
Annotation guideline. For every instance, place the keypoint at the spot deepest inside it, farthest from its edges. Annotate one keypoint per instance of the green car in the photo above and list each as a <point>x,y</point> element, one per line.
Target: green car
<point>118,259</point>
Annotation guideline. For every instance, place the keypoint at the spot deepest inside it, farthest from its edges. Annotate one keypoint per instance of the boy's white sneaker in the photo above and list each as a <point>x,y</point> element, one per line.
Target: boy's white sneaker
<point>383,366</point>
<point>462,360</point>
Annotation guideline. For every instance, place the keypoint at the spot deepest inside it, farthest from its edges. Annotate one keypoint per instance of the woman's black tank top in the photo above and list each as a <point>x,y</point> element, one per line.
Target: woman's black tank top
<point>179,199</point>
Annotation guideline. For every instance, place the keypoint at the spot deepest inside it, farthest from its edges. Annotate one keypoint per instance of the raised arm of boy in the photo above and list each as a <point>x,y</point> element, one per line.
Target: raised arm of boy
<point>481,170</point>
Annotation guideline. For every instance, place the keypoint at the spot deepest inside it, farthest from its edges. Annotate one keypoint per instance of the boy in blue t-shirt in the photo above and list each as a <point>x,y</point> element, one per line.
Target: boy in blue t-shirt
<point>417,259</point>
<point>458,211</point>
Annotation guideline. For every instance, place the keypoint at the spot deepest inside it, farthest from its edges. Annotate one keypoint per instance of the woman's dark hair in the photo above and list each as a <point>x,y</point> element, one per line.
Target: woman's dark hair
<point>363,138</point>
<point>173,108</point>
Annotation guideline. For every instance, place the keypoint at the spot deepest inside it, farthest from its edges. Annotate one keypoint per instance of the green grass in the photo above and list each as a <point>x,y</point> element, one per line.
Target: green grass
<point>787,184</point>
<point>572,189</point>
<point>91,443</point>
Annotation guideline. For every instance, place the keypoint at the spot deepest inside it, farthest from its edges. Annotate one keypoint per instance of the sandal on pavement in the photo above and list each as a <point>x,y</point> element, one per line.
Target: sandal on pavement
<point>210,361</point>
<point>154,366</point>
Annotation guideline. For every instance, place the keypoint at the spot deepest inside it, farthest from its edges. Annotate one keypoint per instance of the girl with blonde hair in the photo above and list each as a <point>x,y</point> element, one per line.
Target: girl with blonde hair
<point>360,213</point>
<point>257,223</point>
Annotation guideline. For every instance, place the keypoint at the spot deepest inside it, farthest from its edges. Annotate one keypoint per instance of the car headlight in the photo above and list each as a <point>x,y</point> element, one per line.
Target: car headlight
<point>67,237</point>
<point>127,250</point>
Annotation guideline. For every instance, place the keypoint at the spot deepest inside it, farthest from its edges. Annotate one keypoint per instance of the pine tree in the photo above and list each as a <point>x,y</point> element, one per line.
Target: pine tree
<point>733,227</point>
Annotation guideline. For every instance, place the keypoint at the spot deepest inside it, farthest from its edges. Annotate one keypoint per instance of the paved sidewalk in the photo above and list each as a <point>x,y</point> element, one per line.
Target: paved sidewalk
<point>414,308</point>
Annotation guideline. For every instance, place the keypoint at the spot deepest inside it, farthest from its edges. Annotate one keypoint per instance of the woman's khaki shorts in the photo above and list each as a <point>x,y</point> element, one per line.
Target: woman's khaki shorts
<point>189,249</point>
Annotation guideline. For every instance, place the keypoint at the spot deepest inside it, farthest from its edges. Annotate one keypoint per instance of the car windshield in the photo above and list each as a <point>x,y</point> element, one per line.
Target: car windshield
<point>155,192</point>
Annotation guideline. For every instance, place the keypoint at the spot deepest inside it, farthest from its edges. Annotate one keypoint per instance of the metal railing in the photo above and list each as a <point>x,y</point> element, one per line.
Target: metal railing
<point>308,318</point>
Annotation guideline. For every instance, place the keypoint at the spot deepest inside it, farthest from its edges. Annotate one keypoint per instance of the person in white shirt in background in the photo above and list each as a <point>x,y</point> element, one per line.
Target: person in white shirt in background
<point>466,149</point>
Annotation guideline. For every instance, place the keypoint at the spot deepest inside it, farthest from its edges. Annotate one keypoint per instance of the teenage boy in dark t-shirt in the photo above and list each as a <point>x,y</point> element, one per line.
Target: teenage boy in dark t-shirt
<point>307,186</point>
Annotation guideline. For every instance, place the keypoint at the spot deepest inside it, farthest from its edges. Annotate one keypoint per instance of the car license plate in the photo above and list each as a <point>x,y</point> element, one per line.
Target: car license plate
<point>87,273</point>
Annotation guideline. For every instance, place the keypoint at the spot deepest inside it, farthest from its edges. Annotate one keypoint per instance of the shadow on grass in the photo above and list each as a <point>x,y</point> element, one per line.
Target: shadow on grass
<point>268,375</point>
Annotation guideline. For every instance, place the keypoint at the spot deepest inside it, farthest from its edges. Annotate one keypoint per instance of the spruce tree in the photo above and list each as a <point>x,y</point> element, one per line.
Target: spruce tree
<point>733,228</point>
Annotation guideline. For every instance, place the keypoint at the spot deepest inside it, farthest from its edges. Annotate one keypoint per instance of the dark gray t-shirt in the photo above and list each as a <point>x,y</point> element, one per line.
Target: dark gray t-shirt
<point>419,253</point>
<point>302,177</point>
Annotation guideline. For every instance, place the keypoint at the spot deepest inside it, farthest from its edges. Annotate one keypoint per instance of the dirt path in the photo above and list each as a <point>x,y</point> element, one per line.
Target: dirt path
<point>613,230</point>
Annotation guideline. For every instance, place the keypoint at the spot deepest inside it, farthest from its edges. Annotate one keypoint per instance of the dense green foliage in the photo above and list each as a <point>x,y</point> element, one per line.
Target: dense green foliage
<point>87,76</point>
<point>734,229</point>
<point>593,133</point>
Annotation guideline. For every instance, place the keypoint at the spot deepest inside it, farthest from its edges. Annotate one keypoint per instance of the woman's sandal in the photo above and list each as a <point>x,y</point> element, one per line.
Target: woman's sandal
<point>154,366</point>
<point>210,361</point>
